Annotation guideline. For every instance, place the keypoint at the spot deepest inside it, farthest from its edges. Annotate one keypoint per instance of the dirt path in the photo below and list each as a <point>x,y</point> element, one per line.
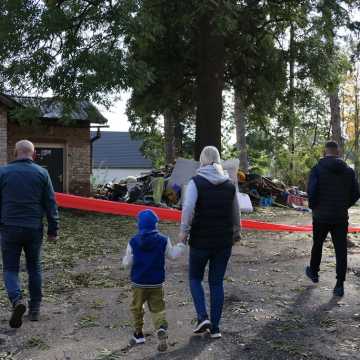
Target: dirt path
<point>271,310</point>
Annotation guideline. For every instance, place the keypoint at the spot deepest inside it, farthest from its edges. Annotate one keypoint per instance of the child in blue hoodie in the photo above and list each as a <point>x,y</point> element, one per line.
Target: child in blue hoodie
<point>146,254</point>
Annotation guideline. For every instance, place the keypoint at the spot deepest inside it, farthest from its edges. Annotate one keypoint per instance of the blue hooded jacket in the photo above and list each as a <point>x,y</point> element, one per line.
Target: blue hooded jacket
<point>149,249</point>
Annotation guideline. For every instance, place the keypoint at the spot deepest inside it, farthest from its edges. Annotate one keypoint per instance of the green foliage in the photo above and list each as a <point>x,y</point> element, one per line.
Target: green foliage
<point>93,49</point>
<point>268,141</point>
<point>152,147</point>
<point>29,116</point>
<point>305,158</point>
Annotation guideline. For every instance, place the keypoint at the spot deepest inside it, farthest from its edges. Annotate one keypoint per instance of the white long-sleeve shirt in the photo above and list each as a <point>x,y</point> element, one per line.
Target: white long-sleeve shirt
<point>171,252</point>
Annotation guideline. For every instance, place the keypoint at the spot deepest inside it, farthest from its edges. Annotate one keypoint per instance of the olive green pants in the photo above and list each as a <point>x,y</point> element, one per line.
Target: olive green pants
<point>154,298</point>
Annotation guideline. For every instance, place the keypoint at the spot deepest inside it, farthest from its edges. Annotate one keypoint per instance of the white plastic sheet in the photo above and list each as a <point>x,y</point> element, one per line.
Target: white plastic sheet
<point>245,204</point>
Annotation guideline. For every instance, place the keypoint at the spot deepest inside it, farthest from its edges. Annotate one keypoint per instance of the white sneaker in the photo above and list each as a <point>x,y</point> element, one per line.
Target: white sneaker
<point>216,335</point>
<point>202,326</point>
<point>137,339</point>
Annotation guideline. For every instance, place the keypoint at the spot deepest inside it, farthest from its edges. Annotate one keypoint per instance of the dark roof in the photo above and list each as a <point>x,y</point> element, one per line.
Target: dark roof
<point>53,108</point>
<point>118,150</point>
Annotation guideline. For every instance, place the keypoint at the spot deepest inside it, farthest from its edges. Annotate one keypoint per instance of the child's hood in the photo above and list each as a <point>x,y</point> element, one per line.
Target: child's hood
<point>148,240</point>
<point>147,221</point>
<point>148,235</point>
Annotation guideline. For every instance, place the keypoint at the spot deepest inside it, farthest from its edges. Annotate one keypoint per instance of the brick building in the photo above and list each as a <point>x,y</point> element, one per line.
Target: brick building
<point>62,146</point>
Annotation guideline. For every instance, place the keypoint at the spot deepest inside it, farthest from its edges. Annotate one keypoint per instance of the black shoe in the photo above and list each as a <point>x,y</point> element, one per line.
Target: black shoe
<point>202,326</point>
<point>339,289</point>
<point>137,339</point>
<point>34,315</point>
<point>19,309</point>
<point>162,336</point>
<point>311,275</point>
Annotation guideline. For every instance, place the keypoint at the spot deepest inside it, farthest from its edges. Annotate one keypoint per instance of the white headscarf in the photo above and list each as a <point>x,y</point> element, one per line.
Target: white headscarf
<point>210,156</point>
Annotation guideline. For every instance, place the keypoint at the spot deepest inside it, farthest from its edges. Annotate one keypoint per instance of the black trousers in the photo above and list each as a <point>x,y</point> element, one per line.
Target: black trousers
<point>338,233</point>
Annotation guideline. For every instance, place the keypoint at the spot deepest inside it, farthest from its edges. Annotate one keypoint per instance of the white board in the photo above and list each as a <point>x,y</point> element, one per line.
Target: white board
<point>185,169</point>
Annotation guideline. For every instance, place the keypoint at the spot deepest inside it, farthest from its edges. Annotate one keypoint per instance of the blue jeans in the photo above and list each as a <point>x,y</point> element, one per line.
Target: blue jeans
<point>218,260</point>
<point>14,239</point>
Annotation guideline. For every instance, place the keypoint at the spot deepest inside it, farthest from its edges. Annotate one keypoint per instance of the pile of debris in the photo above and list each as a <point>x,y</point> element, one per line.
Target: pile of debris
<point>264,192</point>
<point>150,188</point>
<point>165,187</point>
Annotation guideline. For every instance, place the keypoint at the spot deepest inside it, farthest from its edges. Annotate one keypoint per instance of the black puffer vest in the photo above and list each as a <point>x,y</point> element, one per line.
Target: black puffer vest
<point>212,226</point>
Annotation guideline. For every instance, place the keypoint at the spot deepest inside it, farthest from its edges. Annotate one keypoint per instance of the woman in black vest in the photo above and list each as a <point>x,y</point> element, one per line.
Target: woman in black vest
<point>211,219</point>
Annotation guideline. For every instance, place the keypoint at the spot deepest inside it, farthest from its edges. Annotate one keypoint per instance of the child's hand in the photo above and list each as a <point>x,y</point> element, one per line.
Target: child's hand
<point>236,237</point>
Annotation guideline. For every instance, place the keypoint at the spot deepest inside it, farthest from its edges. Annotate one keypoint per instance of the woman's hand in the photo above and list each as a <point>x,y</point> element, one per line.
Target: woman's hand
<point>182,238</point>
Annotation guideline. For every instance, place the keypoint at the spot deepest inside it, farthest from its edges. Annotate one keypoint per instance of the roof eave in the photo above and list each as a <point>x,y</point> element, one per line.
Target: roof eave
<point>99,121</point>
<point>8,101</point>
<point>109,167</point>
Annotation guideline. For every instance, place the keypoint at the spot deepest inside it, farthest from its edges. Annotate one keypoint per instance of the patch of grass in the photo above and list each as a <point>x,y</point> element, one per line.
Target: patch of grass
<point>105,281</point>
<point>7,356</point>
<point>82,279</point>
<point>36,342</point>
<point>84,236</point>
<point>289,348</point>
<point>240,308</point>
<point>291,326</point>
<point>87,321</point>
<point>299,289</point>
<point>4,301</point>
<point>109,355</point>
<point>327,322</point>
<point>97,304</point>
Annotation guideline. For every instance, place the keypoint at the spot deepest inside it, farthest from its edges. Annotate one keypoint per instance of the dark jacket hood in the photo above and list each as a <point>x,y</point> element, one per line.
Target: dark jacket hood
<point>333,164</point>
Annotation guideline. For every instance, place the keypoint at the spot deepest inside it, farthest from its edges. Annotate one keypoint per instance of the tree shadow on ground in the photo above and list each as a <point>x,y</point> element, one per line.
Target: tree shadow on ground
<point>191,350</point>
<point>287,338</point>
<point>284,339</point>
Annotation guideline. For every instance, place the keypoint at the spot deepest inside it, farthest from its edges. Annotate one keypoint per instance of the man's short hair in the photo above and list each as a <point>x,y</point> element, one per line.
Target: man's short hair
<point>24,147</point>
<point>332,145</point>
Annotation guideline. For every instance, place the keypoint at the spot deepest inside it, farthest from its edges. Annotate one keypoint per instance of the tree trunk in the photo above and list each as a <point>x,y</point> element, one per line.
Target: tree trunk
<point>335,120</point>
<point>356,128</point>
<point>179,139</point>
<point>291,99</point>
<point>169,132</point>
<point>316,130</point>
<point>210,84</point>
<point>240,123</point>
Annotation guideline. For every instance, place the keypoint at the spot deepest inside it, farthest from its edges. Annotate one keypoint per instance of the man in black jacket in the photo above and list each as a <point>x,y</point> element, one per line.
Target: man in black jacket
<point>26,195</point>
<point>332,190</point>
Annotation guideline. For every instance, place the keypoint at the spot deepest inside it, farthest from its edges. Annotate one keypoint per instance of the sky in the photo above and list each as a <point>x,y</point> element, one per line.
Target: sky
<point>117,119</point>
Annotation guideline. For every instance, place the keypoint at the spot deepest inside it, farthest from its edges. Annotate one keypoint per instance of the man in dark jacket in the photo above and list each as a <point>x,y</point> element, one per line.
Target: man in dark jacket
<point>26,195</point>
<point>332,190</point>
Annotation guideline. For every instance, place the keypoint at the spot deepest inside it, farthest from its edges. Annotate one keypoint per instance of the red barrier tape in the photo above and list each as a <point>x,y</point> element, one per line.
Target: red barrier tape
<point>125,209</point>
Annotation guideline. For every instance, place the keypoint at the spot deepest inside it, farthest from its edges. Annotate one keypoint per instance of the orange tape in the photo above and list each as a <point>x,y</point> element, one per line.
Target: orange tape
<point>125,209</point>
